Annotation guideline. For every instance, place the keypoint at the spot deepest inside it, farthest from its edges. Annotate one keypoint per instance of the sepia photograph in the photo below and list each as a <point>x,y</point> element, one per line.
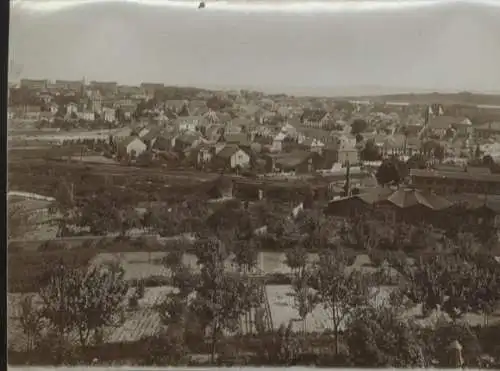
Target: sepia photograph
<point>229,183</point>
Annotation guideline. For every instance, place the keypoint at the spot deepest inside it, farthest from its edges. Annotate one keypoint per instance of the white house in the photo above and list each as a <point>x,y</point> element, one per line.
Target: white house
<point>277,145</point>
<point>234,157</point>
<point>87,115</point>
<point>189,123</point>
<point>71,108</point>
<point>133,146</point>
<point>143,132</point>
<point>109,114</point>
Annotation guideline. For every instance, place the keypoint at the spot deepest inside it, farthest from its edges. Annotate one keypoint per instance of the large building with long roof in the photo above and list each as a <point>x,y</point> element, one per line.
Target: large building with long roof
<point>412,206</point>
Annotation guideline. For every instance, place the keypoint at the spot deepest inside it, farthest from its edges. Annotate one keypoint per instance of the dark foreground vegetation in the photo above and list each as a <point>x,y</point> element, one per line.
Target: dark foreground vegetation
<point>76,303</point>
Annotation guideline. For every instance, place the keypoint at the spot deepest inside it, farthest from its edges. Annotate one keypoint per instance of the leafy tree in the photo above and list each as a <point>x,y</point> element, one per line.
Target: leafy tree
<point>83,300</point>
<point>370,152</point>
<point>31,321</point>
<point>378,338</point>
<point>488,160</point>
<point>168,348</point>
<point>340,290</point>
<point>388,173</point>
<point>246,254</point>
<point>358,126</point>
<point>457,283</point>
<point>438,340</point>
<point>433,148</point>
<point>100,213</point>
<point>304,298</point>
<point>221,296</point>
<point>63,206</point>
<point>129,219</point>
<point>417,161</point>
<point>359,233</point>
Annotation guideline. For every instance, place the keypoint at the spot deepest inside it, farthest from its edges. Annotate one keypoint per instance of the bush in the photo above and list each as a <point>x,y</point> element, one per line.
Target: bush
<point>377,338</point>
<point>166,349</point>
<point>438,340</point>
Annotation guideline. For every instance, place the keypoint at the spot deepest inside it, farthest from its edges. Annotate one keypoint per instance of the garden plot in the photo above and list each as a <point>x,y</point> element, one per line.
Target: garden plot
<point>283,309</point>
<point>142,264</point>
<point>145,321</point>
<point>139,323</point>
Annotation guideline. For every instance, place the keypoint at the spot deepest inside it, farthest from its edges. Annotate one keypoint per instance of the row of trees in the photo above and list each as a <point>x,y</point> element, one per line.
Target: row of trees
<point>459,279</point>
<point>211,302</point>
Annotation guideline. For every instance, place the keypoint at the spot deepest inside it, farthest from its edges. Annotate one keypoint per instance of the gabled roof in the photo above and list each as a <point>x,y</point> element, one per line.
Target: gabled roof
<point>239,121</point>
<point>404,198</point>
<point>240,139</point>
<point>442,122</point>
<point>188,138</point>
<point>228,151</point>
<point>162,143</point>
<point>492,126</point>
<point>313,115</point>
<point>152,134</point>
<point>459,175</point>
<point>188,119</point>
<point>292,159</point>
<point>126,141</point>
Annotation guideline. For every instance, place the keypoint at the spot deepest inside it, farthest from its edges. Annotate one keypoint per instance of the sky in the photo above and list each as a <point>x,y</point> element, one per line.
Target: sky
<point>304,48</point>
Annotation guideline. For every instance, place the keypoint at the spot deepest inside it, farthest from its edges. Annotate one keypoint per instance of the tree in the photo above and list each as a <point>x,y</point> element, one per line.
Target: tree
<point>432,148</point>
<point>18,223</point>
<point>378,338</point>
<point>388,173</point>
<point>63,206</point>
<point>100,213</point>
<point>305,300</point>
<point>339,289</point>
<point>458,283</point>
<point>82,300</point>
<point>221,297</point>
<point>417,161</point>
<point>358,126</point>
<point>370,152</point>
<point>359,233</point>
<point>31,322</point>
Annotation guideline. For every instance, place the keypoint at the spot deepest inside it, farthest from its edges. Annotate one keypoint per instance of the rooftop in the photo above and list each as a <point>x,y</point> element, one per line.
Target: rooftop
<point>458,175</point>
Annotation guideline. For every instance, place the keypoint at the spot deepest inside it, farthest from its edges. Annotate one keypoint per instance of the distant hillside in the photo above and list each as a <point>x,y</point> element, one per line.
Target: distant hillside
<point>463,98</point>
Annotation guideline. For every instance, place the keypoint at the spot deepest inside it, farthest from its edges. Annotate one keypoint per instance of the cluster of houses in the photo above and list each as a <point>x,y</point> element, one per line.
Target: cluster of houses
<point>270,133</point>
<point>218,142</point>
